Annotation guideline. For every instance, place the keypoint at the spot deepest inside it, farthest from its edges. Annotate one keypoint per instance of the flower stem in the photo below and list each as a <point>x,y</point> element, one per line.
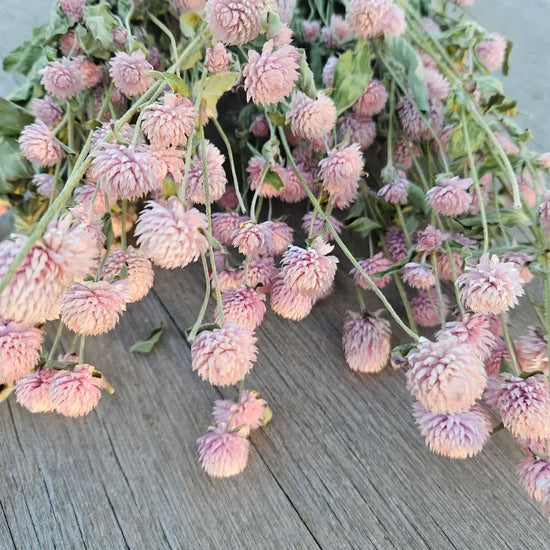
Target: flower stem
<point>509,344</point>
<point>56,341</point>
<point>205,301</point>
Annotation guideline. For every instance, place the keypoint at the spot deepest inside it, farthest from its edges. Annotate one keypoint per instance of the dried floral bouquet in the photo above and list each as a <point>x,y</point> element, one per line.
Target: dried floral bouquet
<point>381,118</point>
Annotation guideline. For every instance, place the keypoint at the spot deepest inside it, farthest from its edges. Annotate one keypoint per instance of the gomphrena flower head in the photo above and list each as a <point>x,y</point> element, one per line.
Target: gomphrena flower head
<point>223,453</point>
<point>498,353</point>
<point>438,85</point>
<point>47,111</point>
<point>367,17</point>
<point>394,24</point>
<point>328,71</point>
<point>261,271</point>
<point>73,8</point>
<point>225,226</point>
<point>217,179</point>
<point>184,6</point>
<point>372,101</point>
<point>450,197</point>
<point>245,415</point>
<point>403,153</point>
<point>425,307</point>
<point>93,307</point>
<point>446,265</point>
<point>281,237</point>
<point>320,227</point>
<point>170,121</point>
<point>532,351</point>
<point>253,239</point>
<point>120,36</point>
<point>544,211</point>
<point>292,190</point>
<point>44,185</point>
<point>287,303</point>
<point>531,471</point>
<point>492,52</point>
<point>235,22</point>
<point>491,286</point>
<point>69,43</point>
<point>224,355</point>
<point>415,125</point>
<point>255,169</point>
<point>259,127</point>
<point>522,260</point>
<point>128,72</point>
<point>62,79</point>
<point>38,145</point>
<point>20,345</point>
<point>418,275</point>
<point>366,342</point>
<point>244,306</point>
<point>396,188</point>
<point>139,271</point>
<point>312,118</point>
<point>455,435</point>
<point>32,391</point>
<point>164,162</point>
<point>270,76</point>
<point>372,266</point>
<point>77,392</point>
<point>310,31</point>
<point>218,59</point>
<point>90,73</point>
<point>171,236</point>
<point>358,129</point>
<point>395,241</point>
<point>430,239</point>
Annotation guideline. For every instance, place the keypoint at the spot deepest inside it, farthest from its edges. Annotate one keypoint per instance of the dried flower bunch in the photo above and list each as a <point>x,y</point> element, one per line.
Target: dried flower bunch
<point>380,119</point>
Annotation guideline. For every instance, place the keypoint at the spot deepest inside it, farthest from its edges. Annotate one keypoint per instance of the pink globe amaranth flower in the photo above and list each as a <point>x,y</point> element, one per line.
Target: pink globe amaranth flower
<point>415,125</point>
<point>164,162</point>
<point>521,259</point>
<point>490,287</point>
<point>394,24</point>
<point>283,36</point>
<point>229,199</point>
<point>32,391</point>
<point>90,197</point>
<point>38,145</point>
<point>403,153</point>
<point>62,79</point>
<point>430,239</point>
<point>446,377</point>
<point>320,227</point>
<point>473,330</point>
<point>99,134</point>
<point>73,8</point>
<point>259,127</point>
<point>309,271</point>
<point>395,191</point>
<point>124,172</point>
<point>281,237</point>
<point>310,31</point>
<point>20,345</point>
<point>366,342</point>
<point>245,415</point>
<point>253,239</point>
<point>184,6</point>
<point>444,267</point>
<point>128,72</point>
<point>372,101</point>
<point>44,185</point>
<point>418,275</point>
<point>425,310</point>
<point>255,169</point>
<point>90,73</point>
<point>449,197</point>
<point>223,453</point>
<point>244,306</point>
<point>261,271</point>
<point>438,85</point>
<point>217,179</point>
<point>218,59</point>
<point>225,225</point>
<point>372,266</point>
<point>508,146</point>
<point>120,37</point>
<point>235,22</point>
<point>139,271</point>
<point>92,307</point>
<point>47,111</point>
<point>532,351</point>
<point>523,404</point>
<point>367,18</point>
<point>225,355</point>
<point>499,352</point>
<point>77,392</point>
<point>311,118</point>
<point>171,236</point>
<point>336,33</point>
<point>395,241</point>
<point>287,303</point>
<point>227,279</point>
<point>492,52</point>
<point>353,128</point>
<point>531,470</point>
<point>170,121</point>
<point>458,435</point>
<point>328,71</point>
<point>69,43</point>
<point>270,77</point>
<point>285,9</point>
<point>292,190</point>
<point>340,171</point>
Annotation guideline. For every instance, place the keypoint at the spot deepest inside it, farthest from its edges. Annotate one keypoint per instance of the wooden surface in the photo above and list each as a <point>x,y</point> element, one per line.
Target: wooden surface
<point>340,466</point>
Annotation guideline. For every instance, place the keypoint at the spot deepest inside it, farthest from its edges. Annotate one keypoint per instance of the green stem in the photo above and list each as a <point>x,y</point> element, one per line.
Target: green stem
<point>168,33</point>
<point>438,291</point>
<point>55,182</point>
<point>81,350</point>
<point>205,301</point>
<point>510,345</point>
<point>56,341</point>
<point>123,224</point>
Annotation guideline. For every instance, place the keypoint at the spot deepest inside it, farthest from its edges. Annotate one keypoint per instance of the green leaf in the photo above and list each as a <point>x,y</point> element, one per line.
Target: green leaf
<point>506,64</point>
<point>95,32</point>
<point>107,225</point>
<point>25,56</point>
<point>363,226</point>
<point>273,179</point>
<point>277,118</point>
<point>417,198</point>
<point>214,87</point>
<point>188,24</point>
<point>13,118</point>
<point>59,22</point>
<point>457,143</point>
<point>146,346</point>
<point>14,166</point>
<point>190,61</point>
<point>271,23</point>
<point>307,80</point>
<point>175,82</point>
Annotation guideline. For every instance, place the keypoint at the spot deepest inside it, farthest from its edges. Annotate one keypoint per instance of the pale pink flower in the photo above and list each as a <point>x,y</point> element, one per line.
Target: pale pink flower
<point>225,355</point>
<point>508,146</point>
<point>353,128</point>
<point>73,8</point>
<point>223,453</point>
<point>281,237</point>
<point>395,241</point>
<point>270,77</point>
<point>394,23</point>
<point>310,30</point>
<point>415,125</point>
<point>499,352</point>
<point>47,111</point>
<point>287,303</point>
<point>285,9</point>
<point>337,32</point>
<point>372,266</point>
<point>438,85</point>
<point>218,59</point>
<point>126,132</point>
<point>229,199</point>
<point>44,185</point>
<point>328,71</point>
<point>396,189</point>
<point>244,306</point>
<point>69,43</point>
<point>227,279</point>
<point>32,391</point>
<point>368,17</point>
<point>61,79</point>
<point>235,22</point>
<point>532,351</point>
<point>492,52</point>
<point>283,36</point>
<point>217,179</point>
<point>77,392</point>
<point>128,72</point>
<point>418,275</point>
<point>245,415</point>
<point>261,271</point>
<point>521,259</point>
<point>259,127</point>
<point>90,73</point>
<point>164,162</point>
<point>403,153</point>
<point>526,188</point>
<point>170,236</point>
<point>225,225</point>
<point>366,342</point>
<point>372,101</point>
<point>120,37</point>
<point>311,118</point>
<point>319,226</point>
<point>458,435</point>
<point>184,6</point>
<point>170,121</point>
<point>449,197</point>
<point>491,286</point>
<point>255,168</point>
<point>430,239</point>
<point>473,330</point>
<point>253,239</point>
<point>89,196</point>
<point>292,190</point>
<point>444,267</point>
<point>531,470</point>
<point>38,145</point>
<point>425,310</point>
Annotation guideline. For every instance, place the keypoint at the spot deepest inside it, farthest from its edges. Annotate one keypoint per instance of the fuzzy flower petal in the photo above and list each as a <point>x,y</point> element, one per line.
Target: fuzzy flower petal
<point>245,415</point>
<point>223,453</point>
<point>312,118</point>
<point>128,72</point>
<point>39,146</point>
<point>372,266</point>
<point>61,79</point>
<point>32,391</point>
<point>244,306</point>
<point>217,179</point>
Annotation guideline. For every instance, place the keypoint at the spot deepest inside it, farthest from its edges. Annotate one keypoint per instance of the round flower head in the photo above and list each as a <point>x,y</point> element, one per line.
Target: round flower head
<point>396,190</point>
<point>245,415</point>
<point>253,239</point>
<point>340,171</point>
<point>169,121</point>
<point>77,392</point>
<point>309,271</point>
<point>244,306</point>
<point>281,237</point>
<point>490,287</point>
<point>430,239</point>
<point>20,345</point>
<point>372,101</point>
<point>139,271</point>
<point>328,71</point>
<point>310,31</point>
<point>128,72</point>
<point>93,308</point>
<point>531,470</point>
<point>449,197</point>
<point>458,435</point>
<point>61,79</point>
<point>261,271</point>
<point>499,352</point>
<point>418,275</point>
<point>367,17</point>
<point>532,351</point>
<point>223,453</point>
<point>312,118</point>
<point>445,377</point>
<point>259,127</point>
<point>403,153</point>
<point>218,59</point>
<point>90,73</point>
<point>120,37</point>
<point>319,226</point>
<point>521,259</point>
<point>184,6</point>
<point>228,279</point>
<point>445,268</point>
<point>438,85</point>
<point>255,169</point>
<point>353,128</point>
<point>73,8</point>
<point>283,36</point>
<point>38,145</point>
<point>474,330</point>
<point>164,162</point>
<point>217,180</point>
<point>225,225</point>
<point>366,342</point>
<point>235,22</point>
<point>270,77</point>
<point>394,24</point>
<point>171,236</point>
<point>99,135</point>
<point>414,124</point>
<point>225,355</point>
<point>492,52</point>
<point>544,211</point>
<point>292,190</point>
<point>395,241</point>
<point>44,185</point>
<point>337,32</point>
<point>32,391</point>
<point>287,303</point>
<point>372,266</point>
<point>47,111</point>
<point>69,44</point>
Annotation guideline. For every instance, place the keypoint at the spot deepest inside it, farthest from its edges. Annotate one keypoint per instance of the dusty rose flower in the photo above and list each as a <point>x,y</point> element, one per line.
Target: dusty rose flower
<point>61,79</point>
<point>372,101</point>
<point>261,271</point>
<point>245,415</point>
<point>414,124</point>
<point>458,435</point>
<point>292,190</point>
<point>532,351</point>
<point>189,5</point>
<point>32,391</point>
<point>492,52</point>
<point>235,22</point>
<point>368,17</point>
<point>253,239</point>
<point>255,169</point>
<point>229,199</point>
<point>259,127</point>
<point>287,303</point>
<point>353,128</point>
<point>283,36</point>
<point>544,161</point>
<point>310,30</point>
<point>430,239</point>
<point>425,310</point>
<point>270,77</point>
<point>544,212</point>
<point>403,153</point>
<point>491,286</point>
<point>90,197</point>
<point>170,121</point>
<point>218,59</point>
<point>371,266</point>
<point>328,71</point>
<point>90,73</point>
<point>281,237</point>
<point>225,225</point>
<point>77,392</point>
<point>366,342</point>
<point>38,145</point>
<point>225,355</point>
<point>531,470</point>
<point>508,146</point>
<point>244,306</point>
<point>73,8</point>
<point>337,32</point>
<point>128,72</point>
<point>418,275</point>
<point>311,118</point>
<point>217,179</point>
<point>126,132</point>
<point>438,85</point>
<point>394,23</point>
<point>223,453</point>
<point>120,37</point>
<point>473,330</point>
<point>47,111</point>
<point>444,267</point>
<point>449,197</point>
<point>396,189</point>
<point>69,44</point>
<point>319,226</point>
<point>227,279</point>
<point>499,352</point>
<point>165,162</point>
<point>44,185</point>
<point>395,241</point>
